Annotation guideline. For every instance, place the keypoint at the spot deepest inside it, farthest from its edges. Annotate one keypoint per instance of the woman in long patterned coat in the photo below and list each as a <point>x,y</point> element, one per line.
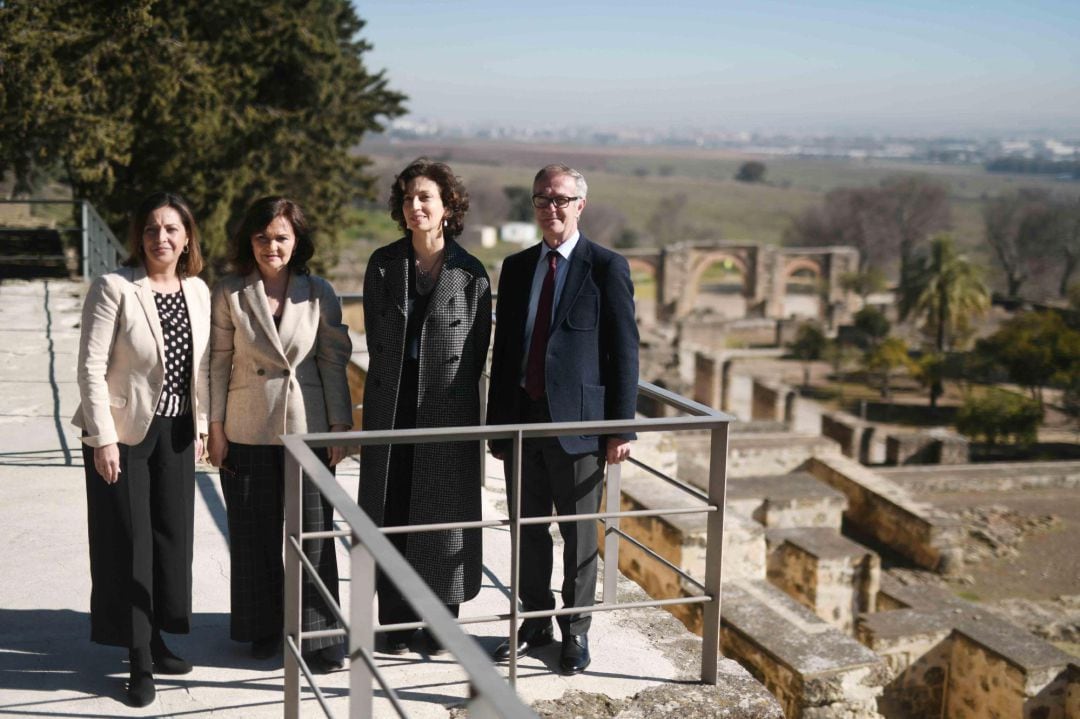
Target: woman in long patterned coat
<point>427,315</point>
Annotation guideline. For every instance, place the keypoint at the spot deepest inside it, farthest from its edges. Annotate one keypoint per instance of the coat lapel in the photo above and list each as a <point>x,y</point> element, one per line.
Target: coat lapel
<point>580,267</point>
<point>146,299</point>
<point>255,293</point>
<point>395,273</point>
<point>452,278</point>
<point>297,302</point>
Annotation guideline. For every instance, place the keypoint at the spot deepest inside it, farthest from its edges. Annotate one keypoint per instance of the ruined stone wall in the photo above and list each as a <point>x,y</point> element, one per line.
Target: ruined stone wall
<point>937,446</point>
<point>885,512</point>
<point>767,401</point>
<point>983,684</point>
<point>751,455</point>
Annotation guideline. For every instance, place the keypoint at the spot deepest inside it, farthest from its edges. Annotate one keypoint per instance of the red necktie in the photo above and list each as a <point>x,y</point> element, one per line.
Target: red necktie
<point>534,368</point>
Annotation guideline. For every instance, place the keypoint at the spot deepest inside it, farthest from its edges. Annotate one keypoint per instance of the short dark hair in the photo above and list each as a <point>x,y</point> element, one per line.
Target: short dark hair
<point>261,213</point>
<point>455,197</point>
<point>191,261</point>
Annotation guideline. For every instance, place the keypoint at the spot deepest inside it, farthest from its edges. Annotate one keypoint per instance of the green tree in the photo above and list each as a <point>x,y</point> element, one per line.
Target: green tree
<point>885,359</point>
<point>1036,349</point>
<point>864,283</point>
<point>751,171</point>
<point>942,292</point>
<point>930,371</point>
<point>521,208</point>
<point>999,415</point>
<point>222,102</point>
<point>872,326</point>
<point>808,346</point>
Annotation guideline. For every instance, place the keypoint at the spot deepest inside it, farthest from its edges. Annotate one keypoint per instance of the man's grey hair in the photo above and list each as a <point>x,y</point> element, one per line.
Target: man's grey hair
<point>560,169</point>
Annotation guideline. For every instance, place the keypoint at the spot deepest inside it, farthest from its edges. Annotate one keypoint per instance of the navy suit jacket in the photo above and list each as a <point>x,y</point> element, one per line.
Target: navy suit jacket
<point>591,366</point>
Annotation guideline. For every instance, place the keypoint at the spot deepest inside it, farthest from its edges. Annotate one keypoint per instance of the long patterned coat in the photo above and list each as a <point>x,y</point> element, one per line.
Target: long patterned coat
<point>453,349</point>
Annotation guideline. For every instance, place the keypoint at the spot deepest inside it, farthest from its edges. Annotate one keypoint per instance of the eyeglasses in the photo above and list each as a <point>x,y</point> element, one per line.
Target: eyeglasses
<point>542,201</point>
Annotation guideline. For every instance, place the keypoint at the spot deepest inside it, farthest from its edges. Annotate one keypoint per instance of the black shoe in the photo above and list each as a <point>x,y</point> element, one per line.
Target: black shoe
<point>165,662</point>
<point>325,660</point>
<point>397,643</point>
<point>575,654</point>
<point>140,690</point>
<point>266,647</point>
<point>529,637</point>
<point>433,645</point>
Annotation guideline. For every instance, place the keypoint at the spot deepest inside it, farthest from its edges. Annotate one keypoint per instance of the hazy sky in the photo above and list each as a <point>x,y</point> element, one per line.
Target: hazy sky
<point>919,66</point>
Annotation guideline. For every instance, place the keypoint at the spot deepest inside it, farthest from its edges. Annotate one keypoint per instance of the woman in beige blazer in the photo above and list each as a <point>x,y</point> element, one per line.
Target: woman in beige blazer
<point>143,383</point>
<point>279,352</point>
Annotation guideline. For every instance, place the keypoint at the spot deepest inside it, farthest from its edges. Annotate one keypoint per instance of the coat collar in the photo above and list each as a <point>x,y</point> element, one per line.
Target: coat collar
<point>296,294</point>
<point>146,298</point>
<point>452,278</point>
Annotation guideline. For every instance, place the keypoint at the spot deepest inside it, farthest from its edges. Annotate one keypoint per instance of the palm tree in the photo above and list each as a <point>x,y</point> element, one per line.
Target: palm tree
<point>942,292</point>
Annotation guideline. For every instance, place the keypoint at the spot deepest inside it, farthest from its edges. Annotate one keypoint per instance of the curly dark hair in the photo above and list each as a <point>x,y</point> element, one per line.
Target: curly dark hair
<point>258,216</point>
<point>455,197</point>
<point>191,261</point>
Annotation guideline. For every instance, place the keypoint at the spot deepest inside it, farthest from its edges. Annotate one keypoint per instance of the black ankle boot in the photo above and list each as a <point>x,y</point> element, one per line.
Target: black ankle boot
<point>165,662</point>
<point>140,691</point>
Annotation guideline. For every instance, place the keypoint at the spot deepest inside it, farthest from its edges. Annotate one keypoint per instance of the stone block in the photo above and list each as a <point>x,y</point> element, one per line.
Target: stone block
<point>829,574</point>
<point>787,500</point>
<point>813,669</point>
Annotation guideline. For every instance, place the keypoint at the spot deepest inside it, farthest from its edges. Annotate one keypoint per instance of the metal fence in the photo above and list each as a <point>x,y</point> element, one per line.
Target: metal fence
<point>491,695</point>
<point>76,223</point>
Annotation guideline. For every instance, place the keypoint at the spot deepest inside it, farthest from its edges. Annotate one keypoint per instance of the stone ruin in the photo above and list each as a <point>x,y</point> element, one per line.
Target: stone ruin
<point>807,607</point>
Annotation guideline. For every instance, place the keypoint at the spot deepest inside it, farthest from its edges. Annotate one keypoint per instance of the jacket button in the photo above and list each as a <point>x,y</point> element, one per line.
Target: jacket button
<point>285,373</point>
<point>261,372</point>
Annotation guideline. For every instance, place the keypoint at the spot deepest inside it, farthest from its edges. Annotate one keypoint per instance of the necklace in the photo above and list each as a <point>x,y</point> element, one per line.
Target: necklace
<point>426,279</point>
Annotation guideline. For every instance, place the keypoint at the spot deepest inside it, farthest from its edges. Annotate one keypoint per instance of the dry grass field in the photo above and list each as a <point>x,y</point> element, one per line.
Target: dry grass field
<point>634,181</point>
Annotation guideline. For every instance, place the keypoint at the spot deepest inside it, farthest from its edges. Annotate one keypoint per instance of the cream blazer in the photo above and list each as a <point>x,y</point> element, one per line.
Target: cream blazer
<point>267,381</point>
<point>121,369</point>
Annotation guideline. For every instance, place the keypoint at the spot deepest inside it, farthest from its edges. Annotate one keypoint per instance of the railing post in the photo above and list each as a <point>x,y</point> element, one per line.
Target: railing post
<point>613,492</point>
<point>361,628</point>
<point>85,222</point>
<point>714,554</point>
<point>294,512</point>
<point>515,550</point>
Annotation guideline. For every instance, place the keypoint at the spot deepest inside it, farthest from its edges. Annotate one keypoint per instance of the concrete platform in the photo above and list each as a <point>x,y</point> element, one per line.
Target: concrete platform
<point>48,667</point>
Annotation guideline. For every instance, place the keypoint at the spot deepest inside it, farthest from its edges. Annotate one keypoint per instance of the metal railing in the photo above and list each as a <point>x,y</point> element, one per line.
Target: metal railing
<point>491,695</point>
<point>100,251</point>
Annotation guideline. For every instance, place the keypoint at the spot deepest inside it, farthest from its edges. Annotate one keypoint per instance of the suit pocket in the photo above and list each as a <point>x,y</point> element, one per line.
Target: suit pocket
<point>585,312</point>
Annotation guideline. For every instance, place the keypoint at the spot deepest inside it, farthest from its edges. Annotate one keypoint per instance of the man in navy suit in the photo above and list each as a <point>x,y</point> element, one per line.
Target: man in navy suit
<point>566,350</point>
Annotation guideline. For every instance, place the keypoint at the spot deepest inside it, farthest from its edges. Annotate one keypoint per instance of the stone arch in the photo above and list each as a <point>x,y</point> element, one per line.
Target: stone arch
<point>802,277</point>
<point>720,299</point>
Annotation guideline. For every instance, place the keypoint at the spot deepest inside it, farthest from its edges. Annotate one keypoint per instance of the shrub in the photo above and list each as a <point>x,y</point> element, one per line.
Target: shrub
<point>998,415</point>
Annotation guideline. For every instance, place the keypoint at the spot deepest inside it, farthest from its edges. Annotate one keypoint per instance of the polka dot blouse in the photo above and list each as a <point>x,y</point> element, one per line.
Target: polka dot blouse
<point>176,328</point>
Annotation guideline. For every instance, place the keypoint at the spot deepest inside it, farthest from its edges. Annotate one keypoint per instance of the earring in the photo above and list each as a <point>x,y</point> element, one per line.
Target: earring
<point>444,222</point>
<point>187,248</point>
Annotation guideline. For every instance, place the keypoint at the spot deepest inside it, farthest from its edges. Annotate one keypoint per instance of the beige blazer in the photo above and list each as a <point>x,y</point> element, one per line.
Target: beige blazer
<point>121,369</point>
<point>267,381</point>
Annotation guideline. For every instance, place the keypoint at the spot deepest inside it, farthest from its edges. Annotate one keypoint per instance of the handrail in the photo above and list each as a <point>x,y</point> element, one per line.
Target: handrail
<point>101,251</point>
<point>488,689</point>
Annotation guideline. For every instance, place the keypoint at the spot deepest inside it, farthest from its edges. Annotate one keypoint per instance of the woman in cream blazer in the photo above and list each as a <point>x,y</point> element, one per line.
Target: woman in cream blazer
<point>144,383</point>
<point>279,353</point>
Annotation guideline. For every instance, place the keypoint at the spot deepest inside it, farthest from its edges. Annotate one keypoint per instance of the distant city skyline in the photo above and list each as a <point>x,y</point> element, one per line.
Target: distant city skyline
<point>917,68</point>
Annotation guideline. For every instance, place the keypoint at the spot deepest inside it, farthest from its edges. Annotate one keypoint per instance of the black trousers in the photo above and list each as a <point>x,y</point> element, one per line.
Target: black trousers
<point>253,482</point>
<point>571,484</point>
<point>140,532</point>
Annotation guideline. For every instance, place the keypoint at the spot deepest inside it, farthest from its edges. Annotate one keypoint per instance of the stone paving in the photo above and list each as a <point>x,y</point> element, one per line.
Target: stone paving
<point>48,667</point>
